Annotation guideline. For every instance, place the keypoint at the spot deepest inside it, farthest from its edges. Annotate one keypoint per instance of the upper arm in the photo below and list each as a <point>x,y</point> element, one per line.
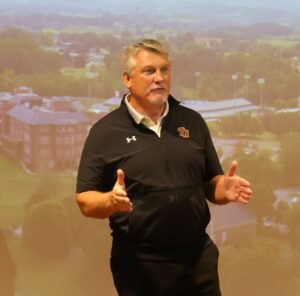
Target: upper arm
<point>90,172</point>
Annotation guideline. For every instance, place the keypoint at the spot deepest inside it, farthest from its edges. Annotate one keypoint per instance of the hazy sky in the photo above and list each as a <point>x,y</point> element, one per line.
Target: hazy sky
<point>209,13</point>
<point>286,4</point>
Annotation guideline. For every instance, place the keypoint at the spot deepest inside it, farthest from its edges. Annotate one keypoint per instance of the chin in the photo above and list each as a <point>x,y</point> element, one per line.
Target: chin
<point>158,100</point>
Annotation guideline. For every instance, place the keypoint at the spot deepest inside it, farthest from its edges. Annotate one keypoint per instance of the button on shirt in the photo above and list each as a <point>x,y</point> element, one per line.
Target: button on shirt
<point>146,121</point>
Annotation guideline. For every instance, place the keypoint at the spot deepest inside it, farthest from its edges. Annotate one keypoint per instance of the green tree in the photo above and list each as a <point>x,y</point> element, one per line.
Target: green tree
<point>263,175</point>
<point>236,62</point>
<point>293,225</point>
<point>20,52</point>
<point>241,124</point>
<point>282,211</point>
<point>45,231</point>
<point>281,124</point>
<point>290,158</point>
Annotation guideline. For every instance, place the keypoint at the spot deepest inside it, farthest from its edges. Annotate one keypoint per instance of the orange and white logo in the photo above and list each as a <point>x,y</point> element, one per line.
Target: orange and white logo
<point>183,132</point>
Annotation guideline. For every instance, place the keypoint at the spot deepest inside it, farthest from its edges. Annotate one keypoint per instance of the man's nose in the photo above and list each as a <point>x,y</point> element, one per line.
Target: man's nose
<point>158,76</point>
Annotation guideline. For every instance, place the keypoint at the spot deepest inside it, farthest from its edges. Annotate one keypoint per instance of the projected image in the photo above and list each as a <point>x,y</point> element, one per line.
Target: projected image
<point>237,64</point>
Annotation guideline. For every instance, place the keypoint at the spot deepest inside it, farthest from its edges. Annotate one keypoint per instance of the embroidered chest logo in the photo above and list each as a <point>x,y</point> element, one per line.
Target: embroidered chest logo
<point>183,132</point>
<point>133,138</point>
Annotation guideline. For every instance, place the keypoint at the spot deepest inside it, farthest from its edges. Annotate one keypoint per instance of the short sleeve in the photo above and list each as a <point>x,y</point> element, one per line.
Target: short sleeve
<point>90,172</point>
<point>212,163</point>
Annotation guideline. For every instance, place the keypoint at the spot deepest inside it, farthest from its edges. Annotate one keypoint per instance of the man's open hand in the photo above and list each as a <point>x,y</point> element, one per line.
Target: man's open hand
<point>119,198</point>
<point>236,188</point>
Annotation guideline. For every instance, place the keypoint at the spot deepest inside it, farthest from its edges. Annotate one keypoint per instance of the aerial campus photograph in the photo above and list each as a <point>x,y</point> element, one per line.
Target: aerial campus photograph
<point>237,63</point>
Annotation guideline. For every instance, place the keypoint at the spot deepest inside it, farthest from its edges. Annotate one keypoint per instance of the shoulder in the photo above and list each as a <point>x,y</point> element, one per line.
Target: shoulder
<point>185,113</point>
<point>112,121</point>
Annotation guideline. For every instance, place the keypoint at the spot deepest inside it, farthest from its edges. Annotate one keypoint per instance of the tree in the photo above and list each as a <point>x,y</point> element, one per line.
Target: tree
<point>236,62</point>
<point>293,225</point>
<point>282,211</point>
<point>45,232</point>
<point>48,189</point>
<point>281,124</point>
<point>290,158</point>
<point>262,173</point>
<point>20,52</point>
<point>242,123</point>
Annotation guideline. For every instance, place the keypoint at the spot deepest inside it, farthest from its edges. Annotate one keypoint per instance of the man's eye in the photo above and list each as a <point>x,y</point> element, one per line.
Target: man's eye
<point>164,70</point>
<point>148,71</point>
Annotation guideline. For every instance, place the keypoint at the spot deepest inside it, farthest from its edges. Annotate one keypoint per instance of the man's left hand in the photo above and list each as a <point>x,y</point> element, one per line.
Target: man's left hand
<point>236,188</point>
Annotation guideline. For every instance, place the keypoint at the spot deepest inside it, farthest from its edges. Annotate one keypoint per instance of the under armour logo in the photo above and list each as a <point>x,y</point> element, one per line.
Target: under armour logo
<point>183,132</point>
<point>133,138</point>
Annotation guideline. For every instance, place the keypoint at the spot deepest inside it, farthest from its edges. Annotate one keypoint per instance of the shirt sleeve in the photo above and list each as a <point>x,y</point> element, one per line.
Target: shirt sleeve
<point>90,173</point>
<point>212,163</point>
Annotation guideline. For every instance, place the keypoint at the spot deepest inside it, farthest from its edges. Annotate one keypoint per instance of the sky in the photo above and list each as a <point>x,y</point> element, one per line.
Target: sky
<point>279,4</point>
<point>208,13</point>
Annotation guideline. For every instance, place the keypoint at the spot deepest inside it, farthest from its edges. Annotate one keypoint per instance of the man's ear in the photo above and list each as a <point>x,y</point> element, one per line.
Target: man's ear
<point>127,80</point>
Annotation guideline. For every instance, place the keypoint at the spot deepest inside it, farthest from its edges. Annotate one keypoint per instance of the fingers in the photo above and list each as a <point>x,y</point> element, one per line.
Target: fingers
<point>242,200</point>
<point>232,169</point>
<point>244,194</point>
<point>119,191</point>
<point>122,204</point>
<point>244,188</point>
<point>120,177</point>
<point>119,198</point>
<point>243,182</point>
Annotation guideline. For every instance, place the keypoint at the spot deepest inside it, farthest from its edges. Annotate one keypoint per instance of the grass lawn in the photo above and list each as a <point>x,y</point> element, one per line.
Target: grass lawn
<point>283,43</point>
<point>75,72</point>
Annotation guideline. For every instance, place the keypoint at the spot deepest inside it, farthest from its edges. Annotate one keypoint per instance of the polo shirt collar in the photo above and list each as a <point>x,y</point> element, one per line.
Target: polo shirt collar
<point>137,116</point>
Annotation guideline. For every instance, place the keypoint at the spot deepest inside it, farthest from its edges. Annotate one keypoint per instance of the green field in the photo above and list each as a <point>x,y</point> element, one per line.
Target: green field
<point>282,43</point>
<point>75,72</point>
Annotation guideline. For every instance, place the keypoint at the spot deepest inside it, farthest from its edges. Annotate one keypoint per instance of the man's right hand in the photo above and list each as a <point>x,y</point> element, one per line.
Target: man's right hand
<point>119,199</point>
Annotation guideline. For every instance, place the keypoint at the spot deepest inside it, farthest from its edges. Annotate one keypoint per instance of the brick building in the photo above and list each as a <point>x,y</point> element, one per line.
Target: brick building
<point>44,134</point>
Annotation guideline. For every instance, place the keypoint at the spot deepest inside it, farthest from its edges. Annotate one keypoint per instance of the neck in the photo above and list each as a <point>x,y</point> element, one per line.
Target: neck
<point>152,111</point>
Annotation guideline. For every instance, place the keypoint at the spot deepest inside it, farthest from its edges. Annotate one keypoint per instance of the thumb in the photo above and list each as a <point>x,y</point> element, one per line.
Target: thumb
<point>120,177</point>
<point>232,169</point>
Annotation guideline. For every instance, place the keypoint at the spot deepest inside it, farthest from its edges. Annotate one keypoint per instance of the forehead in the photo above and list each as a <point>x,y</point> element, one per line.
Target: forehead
<point>145,57</point>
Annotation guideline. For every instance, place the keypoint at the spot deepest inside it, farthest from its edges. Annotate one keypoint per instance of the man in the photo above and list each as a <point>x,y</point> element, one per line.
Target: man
<point>149,166</point>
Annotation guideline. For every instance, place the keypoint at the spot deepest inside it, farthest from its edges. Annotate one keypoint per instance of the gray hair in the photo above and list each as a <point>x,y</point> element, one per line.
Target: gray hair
<point>133,49</point>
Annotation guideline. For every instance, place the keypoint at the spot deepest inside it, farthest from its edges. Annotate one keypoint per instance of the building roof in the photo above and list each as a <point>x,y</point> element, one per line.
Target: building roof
<point>99,108</point>
<point>19,98</point>
<point>113,101</point>
<point>74,103</point>
<point>214,109</point>
<point>5,97</point>
<point>288,110</point>
<point>106,105</point>
<point>42,116</point>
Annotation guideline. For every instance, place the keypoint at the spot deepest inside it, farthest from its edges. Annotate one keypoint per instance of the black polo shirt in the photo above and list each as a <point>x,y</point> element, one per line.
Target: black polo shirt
<point>164,176</point>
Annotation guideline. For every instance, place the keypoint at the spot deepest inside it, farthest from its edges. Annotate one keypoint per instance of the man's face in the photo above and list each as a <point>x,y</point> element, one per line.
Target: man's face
<point>149,83</point>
